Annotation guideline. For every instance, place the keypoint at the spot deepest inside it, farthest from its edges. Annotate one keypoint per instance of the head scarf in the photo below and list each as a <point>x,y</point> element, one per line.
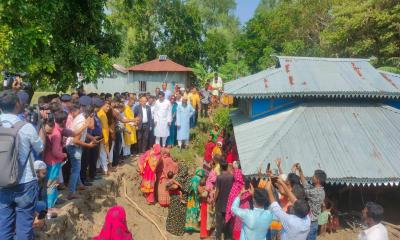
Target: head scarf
<point>156,149</point>
<point>39,165</point>
<point>238,184</point>
<point>200,172</point>
<point>115,227</point>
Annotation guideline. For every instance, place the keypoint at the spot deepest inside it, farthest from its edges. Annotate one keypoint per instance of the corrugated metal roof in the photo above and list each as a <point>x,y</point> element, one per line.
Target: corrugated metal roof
<point>317,77</point>
<point>355,143</point>
<point>392,78</point>
<point>158,65</point>
<point>120,68</point>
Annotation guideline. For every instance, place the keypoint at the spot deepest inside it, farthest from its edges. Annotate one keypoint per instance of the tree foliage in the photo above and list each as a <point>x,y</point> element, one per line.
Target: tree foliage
<point>333,28</point>
<point>54,40</point>
<point>365,29</point>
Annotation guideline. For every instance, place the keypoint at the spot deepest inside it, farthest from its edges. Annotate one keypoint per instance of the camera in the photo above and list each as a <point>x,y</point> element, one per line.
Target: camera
<point>9,79</point>
<point>32,115</point>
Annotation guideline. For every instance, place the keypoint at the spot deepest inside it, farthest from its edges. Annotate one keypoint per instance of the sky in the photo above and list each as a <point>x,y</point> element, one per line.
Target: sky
<point>245,9</point>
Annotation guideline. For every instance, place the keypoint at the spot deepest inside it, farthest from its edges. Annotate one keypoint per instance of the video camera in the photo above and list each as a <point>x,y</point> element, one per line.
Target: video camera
<point>32,115</point>
<point>9,79</point>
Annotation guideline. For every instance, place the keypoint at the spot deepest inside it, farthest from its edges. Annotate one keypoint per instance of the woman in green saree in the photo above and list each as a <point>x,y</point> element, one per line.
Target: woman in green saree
<point>193,203</point>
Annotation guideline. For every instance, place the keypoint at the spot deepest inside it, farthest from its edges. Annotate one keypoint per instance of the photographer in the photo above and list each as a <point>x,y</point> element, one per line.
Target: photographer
<point>18,200</point>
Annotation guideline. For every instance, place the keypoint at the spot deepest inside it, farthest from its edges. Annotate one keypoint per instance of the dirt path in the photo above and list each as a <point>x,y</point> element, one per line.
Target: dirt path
<point>84,217</point>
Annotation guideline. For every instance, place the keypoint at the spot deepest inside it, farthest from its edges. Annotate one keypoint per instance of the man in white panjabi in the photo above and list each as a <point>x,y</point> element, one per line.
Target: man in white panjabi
<point>162,119</point>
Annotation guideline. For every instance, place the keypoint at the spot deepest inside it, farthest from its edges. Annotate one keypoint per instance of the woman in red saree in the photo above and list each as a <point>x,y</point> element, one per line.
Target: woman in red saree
<point>165,165</point>
<point>147,166</point>
<point>114,227</point>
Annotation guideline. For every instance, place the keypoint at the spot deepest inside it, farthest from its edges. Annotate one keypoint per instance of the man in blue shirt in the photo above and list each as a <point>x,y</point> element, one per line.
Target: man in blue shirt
<point>17,203</point>
<point>255,222</point>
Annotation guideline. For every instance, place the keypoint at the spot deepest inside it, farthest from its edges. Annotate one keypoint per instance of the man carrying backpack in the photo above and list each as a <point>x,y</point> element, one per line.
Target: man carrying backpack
<point>18,182</point>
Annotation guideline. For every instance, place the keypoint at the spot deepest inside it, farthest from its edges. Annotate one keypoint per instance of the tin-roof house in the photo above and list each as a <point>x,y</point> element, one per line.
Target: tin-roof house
<point>340,115</point>
<point>144,77</point>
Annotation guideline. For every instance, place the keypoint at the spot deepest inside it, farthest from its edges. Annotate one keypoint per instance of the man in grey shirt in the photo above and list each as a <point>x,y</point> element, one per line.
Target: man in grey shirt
<point>315,195</point>
<point>205,96</point>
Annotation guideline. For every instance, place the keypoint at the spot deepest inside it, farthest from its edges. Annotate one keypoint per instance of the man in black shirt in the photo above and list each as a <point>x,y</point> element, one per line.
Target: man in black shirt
<point>224,185</point>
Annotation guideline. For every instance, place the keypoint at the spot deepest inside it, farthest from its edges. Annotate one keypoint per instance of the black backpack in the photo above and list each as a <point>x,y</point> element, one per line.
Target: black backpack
<point>10,171</point>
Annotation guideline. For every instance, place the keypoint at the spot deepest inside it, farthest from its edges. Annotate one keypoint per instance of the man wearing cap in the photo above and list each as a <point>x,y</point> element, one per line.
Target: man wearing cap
<point>66,102</point>
<point>183,114</point>
<point>24,100</point>
<point>162,119</point>
<point>216,85</point>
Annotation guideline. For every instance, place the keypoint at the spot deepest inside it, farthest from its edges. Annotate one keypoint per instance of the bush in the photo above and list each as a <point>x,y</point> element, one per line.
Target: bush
<point>222,118</point>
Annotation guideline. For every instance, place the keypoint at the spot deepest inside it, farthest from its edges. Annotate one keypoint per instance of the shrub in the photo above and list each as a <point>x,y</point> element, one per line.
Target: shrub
<point>222,118</point>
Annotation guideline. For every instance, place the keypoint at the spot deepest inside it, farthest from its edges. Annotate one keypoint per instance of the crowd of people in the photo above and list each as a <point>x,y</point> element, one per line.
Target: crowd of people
<point>220,203</point>
<point>75,139</point>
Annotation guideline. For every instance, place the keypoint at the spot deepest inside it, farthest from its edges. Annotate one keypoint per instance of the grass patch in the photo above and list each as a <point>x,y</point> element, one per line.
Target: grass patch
<point>198,135</point>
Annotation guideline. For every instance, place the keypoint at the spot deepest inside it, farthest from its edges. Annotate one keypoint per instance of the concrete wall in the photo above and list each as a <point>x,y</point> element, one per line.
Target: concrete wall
<point>129,82</point>
<point>155,79</point>
<point>116,82</point>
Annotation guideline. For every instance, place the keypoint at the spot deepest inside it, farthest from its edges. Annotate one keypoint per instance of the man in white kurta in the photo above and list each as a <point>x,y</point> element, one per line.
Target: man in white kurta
<point>183,114</point>
<point>162,119</point>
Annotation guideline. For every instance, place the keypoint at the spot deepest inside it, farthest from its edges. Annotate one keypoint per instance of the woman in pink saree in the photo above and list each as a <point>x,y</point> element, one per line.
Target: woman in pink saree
<point>238,185</point>
<point>165,165</point>
<point>147,167</point>
<point>114,227</point>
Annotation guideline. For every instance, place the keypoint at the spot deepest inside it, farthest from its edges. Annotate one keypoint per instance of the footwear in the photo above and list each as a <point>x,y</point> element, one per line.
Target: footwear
<point>61,187</point>
<point>87,184</point>
<point>81,188</point>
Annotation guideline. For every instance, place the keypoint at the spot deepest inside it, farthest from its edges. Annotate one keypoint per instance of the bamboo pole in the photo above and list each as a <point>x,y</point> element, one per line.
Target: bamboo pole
<point>397,227</point>
<point>141,211</point>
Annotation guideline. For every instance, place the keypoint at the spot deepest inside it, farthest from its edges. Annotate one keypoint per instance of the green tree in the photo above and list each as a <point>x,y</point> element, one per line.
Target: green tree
<point>136,23</point>
<point>289,27</point>
<point>215,49</point>
<point>179,37</point>
<point>365,29</point>
<point>54,40</point>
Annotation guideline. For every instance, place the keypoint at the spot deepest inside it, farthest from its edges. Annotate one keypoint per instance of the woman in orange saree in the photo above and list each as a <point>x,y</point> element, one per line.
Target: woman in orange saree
<point>166,165</point>
<point>147,166</point>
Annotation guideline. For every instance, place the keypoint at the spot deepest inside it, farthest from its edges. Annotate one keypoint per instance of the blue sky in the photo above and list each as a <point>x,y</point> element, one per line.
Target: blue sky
<point>245,9</point>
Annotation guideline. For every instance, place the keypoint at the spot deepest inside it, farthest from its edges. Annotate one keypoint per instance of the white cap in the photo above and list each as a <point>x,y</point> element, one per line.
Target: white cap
<point>39,165</point>
<point>182,89</point>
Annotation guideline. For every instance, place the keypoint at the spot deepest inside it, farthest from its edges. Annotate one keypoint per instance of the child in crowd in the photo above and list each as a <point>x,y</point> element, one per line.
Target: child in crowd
<point>208,154</point>
<point>215,132</point>
<point>217,150</point>
<point>324,217</point>
<point>41,203</point>
<point>174,186</point>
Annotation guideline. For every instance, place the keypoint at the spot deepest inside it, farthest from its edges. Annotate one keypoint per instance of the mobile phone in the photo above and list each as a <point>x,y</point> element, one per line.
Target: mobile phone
<point>268,166</point>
